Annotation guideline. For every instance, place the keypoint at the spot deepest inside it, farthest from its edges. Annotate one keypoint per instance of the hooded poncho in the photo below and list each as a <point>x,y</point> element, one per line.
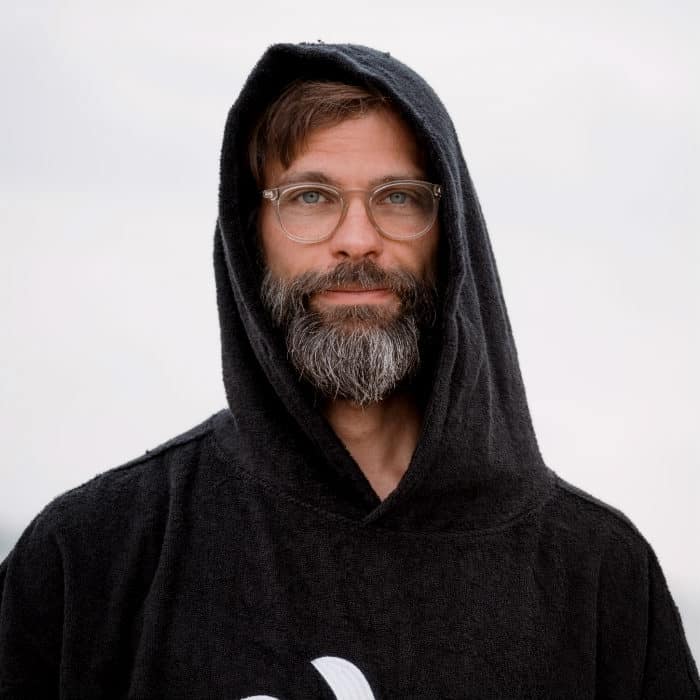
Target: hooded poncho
<point>250,558</point>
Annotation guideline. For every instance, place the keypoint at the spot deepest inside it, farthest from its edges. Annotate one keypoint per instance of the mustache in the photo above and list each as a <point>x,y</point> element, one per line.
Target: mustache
<point>363,275</point>
<point>288,298</point>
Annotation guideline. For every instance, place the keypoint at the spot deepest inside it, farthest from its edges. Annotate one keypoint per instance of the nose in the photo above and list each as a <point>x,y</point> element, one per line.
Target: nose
<point>356,237</point>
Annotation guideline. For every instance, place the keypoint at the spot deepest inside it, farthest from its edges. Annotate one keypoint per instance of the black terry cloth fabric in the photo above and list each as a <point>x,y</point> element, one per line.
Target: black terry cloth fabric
<point>250,557</point>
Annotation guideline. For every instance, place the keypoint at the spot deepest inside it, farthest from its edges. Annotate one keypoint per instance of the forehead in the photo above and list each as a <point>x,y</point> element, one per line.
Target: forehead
<point>368,148</point>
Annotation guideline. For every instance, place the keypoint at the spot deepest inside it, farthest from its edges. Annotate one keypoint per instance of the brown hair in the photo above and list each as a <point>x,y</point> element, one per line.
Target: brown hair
<point>303,107</point>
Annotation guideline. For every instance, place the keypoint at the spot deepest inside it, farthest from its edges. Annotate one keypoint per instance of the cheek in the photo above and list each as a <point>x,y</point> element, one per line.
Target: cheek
<point>281,255</point>
<point>426,255</point>
<point>271,240</point>
<point>433,255</point>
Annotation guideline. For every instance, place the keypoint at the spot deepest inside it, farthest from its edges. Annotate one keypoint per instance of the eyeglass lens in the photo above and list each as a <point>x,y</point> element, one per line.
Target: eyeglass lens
<point>400,211</point>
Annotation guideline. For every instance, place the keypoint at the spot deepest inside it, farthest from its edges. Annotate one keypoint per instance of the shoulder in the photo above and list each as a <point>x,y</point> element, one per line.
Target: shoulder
<point>133,494</point>
<point>636,617</point>
<point>575,505</point>
<point>575,500</point>
<point>592,531</point>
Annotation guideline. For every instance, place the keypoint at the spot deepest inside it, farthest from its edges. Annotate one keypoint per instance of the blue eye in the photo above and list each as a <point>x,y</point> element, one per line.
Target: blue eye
<point>398,198</point>
<point>308,198</point>
<point>311,197</point>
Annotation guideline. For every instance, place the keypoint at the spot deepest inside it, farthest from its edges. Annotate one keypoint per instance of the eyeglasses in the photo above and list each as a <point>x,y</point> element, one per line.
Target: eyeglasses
<point>310,212</point>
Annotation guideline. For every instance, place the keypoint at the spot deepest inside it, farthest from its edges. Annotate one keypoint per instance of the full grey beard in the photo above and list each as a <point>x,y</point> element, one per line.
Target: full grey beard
<point>360,353</point>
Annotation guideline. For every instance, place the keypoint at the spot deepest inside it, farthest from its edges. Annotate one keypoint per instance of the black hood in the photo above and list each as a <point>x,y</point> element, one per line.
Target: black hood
<point>477,464</point>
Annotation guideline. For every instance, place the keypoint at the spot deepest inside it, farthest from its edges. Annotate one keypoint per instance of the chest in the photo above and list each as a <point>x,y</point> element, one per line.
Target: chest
<point>289,609</point>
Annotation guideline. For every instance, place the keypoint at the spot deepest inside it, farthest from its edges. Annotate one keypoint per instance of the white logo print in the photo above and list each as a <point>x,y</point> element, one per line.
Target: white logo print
<point>345,680</point>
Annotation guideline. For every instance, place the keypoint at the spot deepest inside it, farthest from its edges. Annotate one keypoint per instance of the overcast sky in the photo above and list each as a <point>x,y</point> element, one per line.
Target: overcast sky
<point>580,124</point>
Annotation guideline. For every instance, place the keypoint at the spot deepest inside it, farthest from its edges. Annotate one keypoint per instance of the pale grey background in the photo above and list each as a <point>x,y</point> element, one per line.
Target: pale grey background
<point>580,124</point>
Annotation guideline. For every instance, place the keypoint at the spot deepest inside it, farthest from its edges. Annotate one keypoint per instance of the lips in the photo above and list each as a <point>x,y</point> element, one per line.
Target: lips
<point>355,295</point>
<point>357,290</point>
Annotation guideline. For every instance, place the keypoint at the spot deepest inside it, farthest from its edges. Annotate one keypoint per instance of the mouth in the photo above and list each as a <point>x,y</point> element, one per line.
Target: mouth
<point>355,295</point>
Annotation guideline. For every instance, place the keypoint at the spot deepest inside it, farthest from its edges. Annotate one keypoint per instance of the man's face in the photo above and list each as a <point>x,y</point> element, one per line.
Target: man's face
<point>353,306</point>
<point>355,154</point>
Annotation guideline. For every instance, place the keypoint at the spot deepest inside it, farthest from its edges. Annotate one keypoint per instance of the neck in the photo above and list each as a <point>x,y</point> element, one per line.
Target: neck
<point>381,437</point>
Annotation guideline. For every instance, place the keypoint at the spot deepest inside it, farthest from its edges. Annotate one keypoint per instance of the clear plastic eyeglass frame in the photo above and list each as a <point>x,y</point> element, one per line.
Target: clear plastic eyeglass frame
<point>275,195</point>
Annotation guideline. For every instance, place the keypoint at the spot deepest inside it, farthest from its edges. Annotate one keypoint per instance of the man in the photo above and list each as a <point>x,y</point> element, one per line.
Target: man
<point>370,517</point>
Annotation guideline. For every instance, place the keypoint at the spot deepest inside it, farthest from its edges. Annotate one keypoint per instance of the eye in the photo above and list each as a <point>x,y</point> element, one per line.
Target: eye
<point>398,198</point>
<point>311,197</point>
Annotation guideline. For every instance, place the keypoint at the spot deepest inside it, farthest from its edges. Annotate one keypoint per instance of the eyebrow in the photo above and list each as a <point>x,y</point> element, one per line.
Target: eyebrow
<point>295,177</point>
